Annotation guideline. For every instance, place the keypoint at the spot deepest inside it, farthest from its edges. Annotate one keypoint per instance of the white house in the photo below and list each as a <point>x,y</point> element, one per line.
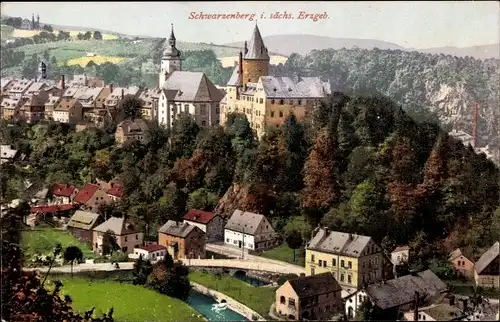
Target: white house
<point>437,312</point>
<point>211,224</point>
<point>183,92</point>
<point>249,230</point>
<point>151,252</point>
<point>400,255</point>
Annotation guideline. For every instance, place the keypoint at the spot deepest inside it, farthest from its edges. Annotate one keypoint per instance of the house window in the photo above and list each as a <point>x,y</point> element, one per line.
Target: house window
<point>360,298</point>
<point>281,114</point>
<point>125,238</point>
<point>124,249</point>
<point>342,263</point>
<point>341,277</point>
<point>282,300</point>
<point>291,302</point>
<point>202,109</point>
<point>203,123</point>
<point>349,264</point>
<point>349,279</point>
<point>272,101</point>
<point>217,110</point>
<point>136,236</point>
<point>334,262</point>
<point>281,102</point>
<point>312,258</point>
<point>299,102</point>
<point>320,263</point>
<point>227,240</point>
<point>272,114</point>
<point>261,100</point>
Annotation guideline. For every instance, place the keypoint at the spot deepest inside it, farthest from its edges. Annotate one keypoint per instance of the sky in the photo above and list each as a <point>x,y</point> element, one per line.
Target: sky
<point>410,24</point>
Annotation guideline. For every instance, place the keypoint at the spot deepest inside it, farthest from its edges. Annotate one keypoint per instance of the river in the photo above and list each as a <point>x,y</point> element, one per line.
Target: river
<point>207,307</point>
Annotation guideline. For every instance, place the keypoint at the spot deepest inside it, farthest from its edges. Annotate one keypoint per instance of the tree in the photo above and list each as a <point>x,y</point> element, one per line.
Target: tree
<point>170,278</point>
<point>130,106</point>
<point>72,253</point>
<point>87,35</point>
<point>202,199</point>
<point>97,35</point>
<point>294,241</point>
<point>48,28</point>
<point>109,244</point>
<point>141,271</point>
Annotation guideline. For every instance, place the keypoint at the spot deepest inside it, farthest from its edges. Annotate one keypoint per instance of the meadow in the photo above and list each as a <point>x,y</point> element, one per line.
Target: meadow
<point>83,61</point>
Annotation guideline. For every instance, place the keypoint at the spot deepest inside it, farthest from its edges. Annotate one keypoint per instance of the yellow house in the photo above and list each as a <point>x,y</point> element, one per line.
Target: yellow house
<point>354,260</point>
<point>268,100</point>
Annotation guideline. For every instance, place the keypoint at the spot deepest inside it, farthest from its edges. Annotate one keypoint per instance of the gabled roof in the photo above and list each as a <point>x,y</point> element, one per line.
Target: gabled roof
<point>118,226</point>
<point>255,49</point>
<point>83,220</point>
<point>153,247</point>
<point>178,229</point>
<point>202,217</point>
<point>86,193</point>
<point>246,222</point>
<point>192,87</point>
<point>51,209</point>
<point>133,127</point>
<point>443,312</point>
<point>116,191</point>
<point>401,290</point>
<point>489,256</point>
<point>236,77</point>
<point>62,190</point>
<point>336,242</point>
<point>400,249</point>
<point>307,286</point>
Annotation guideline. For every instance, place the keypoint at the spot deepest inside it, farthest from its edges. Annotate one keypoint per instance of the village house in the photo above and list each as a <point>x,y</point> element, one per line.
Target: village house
<point>128,131</point>
<point>354,260</point>
<point>67,110</point>
<point>117,94</point>
<point>462,264</point>
<point>249,230</point>
<point>149,99</point>
<point>115,192</point>
<point>400,255</point>
<point>51,103</point>
<point>7,154</point>
<point>20,88</point>
<point>33,108</point>
<point>152,252</point>
<point>38,88</point>
<point>63,193</point>
<point>211,224</point>
<point>82,223</point>
<point>84,80</point>
<point>309,297</point>
<point>487,268</point>
<point>127,236</point>
<point>91,196</point>
<point>43,210</point>
<point>436,312</point>
<point>182,240</point>
<point>89,100</point>
<point>5,86</point>
<point>397,295</point>
<point>11,107</point>
<point>183,92</point>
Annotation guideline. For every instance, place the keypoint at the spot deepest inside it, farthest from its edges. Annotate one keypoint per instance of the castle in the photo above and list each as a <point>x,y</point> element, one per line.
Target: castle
<point>31,25</point>
<point>268,100</point>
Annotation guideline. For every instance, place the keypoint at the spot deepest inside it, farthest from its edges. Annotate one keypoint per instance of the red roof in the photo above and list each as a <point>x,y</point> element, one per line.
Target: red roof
<point>153,247</point>
<point>202,217</point>
<point>86,193</point>
<point>51,209</point>
<point>116,191</point>
<point>62,190</point>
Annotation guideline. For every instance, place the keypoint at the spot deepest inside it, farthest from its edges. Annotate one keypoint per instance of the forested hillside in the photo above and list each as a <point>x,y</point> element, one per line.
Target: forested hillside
<point>360,164</point>
<point>445,85</point>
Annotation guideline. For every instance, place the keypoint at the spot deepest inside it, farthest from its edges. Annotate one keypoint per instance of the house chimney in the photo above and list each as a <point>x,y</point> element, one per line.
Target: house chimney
<point>63,83</point>
<point>111,88</point>
<point>415,310</point>
<point>350,236</point>
<point>327,231</point>
<point>240,63</point>
<point>123,93</point>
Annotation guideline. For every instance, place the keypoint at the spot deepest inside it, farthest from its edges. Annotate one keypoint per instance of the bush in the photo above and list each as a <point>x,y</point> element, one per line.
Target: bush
<point>119,257</point>
<point>283,278</point>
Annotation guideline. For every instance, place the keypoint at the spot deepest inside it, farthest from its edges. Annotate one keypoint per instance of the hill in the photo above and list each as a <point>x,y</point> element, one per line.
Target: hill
<point>304,44</point>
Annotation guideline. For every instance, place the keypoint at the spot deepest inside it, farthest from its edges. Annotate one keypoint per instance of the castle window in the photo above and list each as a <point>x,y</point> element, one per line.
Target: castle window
<point>281,102</point>
<point>272,101</point>
<point>281,114</point>
<point>272,114</point>
<point>299,102</point>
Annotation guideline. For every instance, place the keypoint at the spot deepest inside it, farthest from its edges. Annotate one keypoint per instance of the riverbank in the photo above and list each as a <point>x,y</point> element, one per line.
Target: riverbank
<point>232,304</point>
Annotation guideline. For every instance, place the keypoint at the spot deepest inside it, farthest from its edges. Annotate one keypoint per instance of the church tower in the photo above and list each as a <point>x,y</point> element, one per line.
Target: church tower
<point>171,60</point>
<point>255,59</point>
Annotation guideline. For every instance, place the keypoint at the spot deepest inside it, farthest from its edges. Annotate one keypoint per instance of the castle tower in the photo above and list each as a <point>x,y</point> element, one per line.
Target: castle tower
<point>37,21</point>
<point>171,60</point>
<point>255,59</point>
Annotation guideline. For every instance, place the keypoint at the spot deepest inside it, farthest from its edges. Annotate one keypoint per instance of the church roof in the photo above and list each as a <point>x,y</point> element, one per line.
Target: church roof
<point>191,87</point>
<point>256,49</point>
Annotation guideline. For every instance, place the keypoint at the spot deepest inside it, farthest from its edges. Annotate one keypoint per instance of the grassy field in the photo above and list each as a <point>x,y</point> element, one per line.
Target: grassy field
<point>6,31</point>
<point>258,299</point>
<point>44,240</point>
<point>130,302</point>
<point>285,254</point>
<point>83,61</point>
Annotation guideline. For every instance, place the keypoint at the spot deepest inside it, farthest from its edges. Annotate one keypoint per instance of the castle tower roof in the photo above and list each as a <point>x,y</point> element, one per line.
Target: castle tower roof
<point>256,49</point>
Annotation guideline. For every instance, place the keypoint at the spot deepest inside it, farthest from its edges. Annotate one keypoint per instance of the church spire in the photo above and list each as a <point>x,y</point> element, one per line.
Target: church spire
<point>172,39</point>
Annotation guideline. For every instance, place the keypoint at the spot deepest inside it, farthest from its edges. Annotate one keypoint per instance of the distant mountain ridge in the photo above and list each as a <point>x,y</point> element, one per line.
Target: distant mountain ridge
<point>304,44</point>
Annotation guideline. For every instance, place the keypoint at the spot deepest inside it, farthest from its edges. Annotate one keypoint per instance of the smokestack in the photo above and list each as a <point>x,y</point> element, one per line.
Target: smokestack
<point>123,93</point>
<point>474,128</point>
<point>415,310</point>
<point>63,83</point>
<point>111,88</point>
<point>240,63</point>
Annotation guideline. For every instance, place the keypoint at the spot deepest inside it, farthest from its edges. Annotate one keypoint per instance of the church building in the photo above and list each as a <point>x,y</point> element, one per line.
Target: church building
<point>268,100</point>
<point>183,92</point>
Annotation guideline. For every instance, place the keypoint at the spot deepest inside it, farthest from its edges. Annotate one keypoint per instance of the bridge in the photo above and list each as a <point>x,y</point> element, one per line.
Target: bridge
<point>244,265</point>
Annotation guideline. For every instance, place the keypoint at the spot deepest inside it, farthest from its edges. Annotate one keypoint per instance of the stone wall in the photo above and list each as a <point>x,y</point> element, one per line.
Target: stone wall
<point>231,303</point>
